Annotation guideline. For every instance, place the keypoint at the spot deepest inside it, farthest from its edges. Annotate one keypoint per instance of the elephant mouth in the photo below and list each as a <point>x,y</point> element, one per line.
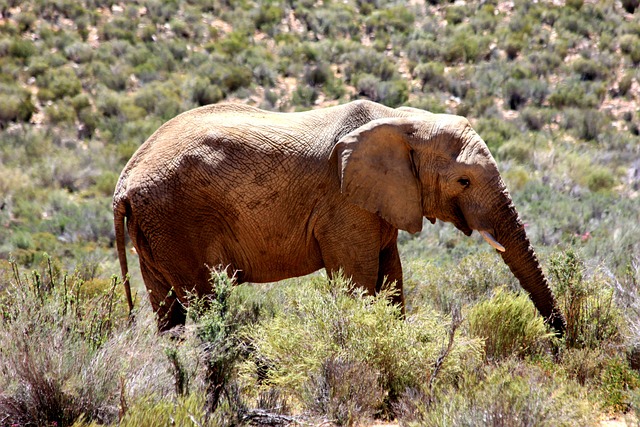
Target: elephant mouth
<point>464,227</point>
<point>460,222</point>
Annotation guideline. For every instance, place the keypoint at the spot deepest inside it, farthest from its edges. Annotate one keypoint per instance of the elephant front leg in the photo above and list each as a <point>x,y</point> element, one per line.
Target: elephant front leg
<point>390,274</point>
<point>356,258</point>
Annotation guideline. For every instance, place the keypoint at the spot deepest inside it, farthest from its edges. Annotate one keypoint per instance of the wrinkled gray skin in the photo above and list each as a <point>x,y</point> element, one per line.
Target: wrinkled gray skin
<point>279,195</point>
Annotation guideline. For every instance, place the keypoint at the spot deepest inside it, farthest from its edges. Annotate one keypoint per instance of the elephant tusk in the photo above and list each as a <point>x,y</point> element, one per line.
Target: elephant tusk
<point>491,240</point>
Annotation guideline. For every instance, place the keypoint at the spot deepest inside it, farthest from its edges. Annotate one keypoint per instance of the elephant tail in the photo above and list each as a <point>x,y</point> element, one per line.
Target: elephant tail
<point>119,215</point>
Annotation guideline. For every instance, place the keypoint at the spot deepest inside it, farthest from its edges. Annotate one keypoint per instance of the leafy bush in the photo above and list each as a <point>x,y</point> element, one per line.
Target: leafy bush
<point>304,96</point>
<point>512,393</point>
<point>495,132</point>
<point>574,94</point>
<point>15,104</point>
<point>630,45</point>
<point>367,61</point>
<point>587,124</point>
<point>431,75</point>
<point>509,324</point>
<point>58,83</point>
<point>322,323</point>
<point>536,118</point>
<point>464,46</point>
<point>22,49</point>
<point>391,93</point>
<point>589,69</point>
<point>60,113</point>
<point>600,179</point>
<point>79,52</point>
<point>592,318</point>
<point>204,93</point>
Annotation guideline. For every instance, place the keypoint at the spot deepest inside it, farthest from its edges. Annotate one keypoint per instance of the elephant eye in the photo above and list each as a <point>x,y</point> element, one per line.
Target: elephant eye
<point>464,182</point>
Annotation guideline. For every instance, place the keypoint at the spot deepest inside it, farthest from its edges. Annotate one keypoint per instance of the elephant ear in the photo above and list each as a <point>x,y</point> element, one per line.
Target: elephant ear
<point>377,172</point>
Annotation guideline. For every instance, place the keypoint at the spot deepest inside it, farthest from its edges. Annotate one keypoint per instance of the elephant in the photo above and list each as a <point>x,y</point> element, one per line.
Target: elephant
<point>274,195</point>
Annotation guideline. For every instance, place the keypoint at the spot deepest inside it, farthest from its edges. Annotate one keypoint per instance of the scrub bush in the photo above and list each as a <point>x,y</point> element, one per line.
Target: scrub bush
<point>588,304</point>
<point>15,104</point>
<point>326,325</point>
<point>510,326</point>
<point>510,394</point>
<point>67,355</point>
<point>58,83</point>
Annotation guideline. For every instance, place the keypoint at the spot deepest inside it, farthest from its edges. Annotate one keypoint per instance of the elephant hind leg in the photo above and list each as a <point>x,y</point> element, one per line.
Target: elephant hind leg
<point>170,312</point>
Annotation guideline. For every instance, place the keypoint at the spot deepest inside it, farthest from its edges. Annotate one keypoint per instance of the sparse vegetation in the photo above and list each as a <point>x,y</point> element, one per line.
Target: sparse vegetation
<point>552,89</point>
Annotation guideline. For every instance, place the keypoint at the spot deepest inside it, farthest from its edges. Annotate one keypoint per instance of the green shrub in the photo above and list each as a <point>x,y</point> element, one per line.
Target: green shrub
<point>22,240</point>
<point>322,321</point>
<point>204,93</point>
<point>454,15</point>
<point>58,83</point>
<point>26,21</point>
<point>39,64</point>
<point>318,74</point>
<point>60,113</point>
<point>536,118</point>
<point>509,394</point>
<point>600,179</point>
<point>231,77</point>
<point>589,69</point>
<point>475,275</point>
<point>22,49</point>
<point>495,132</point>
<point>630,45</point>
<point>464,46</point>
<point>586,124</point>
<point>155,411</point>
<point>267,17</point>
<point>509,324</point>
<point>304,96</point>
<point>516,149</point>
<point>367,61</point>
<point>119,28</point>
<point>617,383</point>
<point>15,104</point>
<point>431,75</point>
<point>391,93</point>
<point>515,94</point>
<point>421,50</point>
<point>390,20</point>
<point>576,94</point>
<point>516,177</point>
<point>159,99</point>
<point>429,103</point>
<point>221,319</point>
<point>79,52</point>
<point>626,82</point>
<point>588,305</point>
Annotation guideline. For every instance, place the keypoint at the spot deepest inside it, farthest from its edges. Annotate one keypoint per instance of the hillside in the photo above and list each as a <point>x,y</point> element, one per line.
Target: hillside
<point>553,88</point>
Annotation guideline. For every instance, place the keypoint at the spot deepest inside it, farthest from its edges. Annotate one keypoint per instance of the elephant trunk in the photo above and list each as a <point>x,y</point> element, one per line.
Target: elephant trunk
<point>523,263</point>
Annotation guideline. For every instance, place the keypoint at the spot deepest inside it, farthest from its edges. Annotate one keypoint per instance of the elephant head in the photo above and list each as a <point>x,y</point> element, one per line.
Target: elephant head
<point>436,166</point>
